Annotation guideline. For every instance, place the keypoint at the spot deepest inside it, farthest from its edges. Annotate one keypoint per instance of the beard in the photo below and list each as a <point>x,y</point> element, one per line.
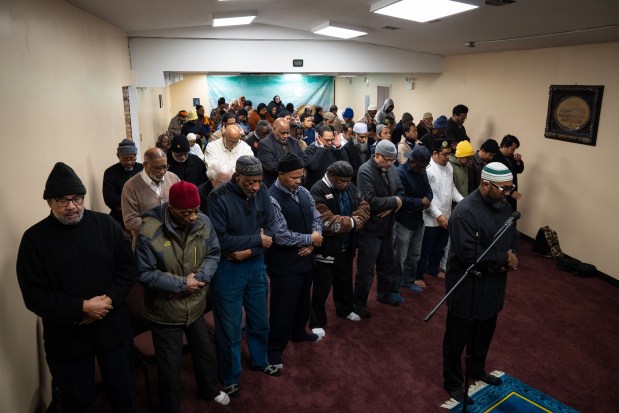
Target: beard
<point>496,203</point>
<point>73,219</point>
<point>361,147</point>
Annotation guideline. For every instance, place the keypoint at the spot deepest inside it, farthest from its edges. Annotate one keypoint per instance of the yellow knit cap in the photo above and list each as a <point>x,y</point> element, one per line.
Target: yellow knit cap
<point>464,149</point>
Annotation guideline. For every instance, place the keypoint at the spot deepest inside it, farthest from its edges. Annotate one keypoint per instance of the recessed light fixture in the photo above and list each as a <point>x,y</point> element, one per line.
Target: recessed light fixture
<point>341,30</point>
<point>234,19</point>
<point>422,10</point>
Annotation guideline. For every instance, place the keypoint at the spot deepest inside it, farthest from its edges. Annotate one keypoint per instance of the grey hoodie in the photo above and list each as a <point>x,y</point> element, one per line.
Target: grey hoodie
<point>382,114</point>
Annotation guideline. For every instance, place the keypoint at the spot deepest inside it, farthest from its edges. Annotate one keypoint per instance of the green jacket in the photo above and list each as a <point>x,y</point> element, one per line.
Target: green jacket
<point>461,176</point>
<point>164,260</point>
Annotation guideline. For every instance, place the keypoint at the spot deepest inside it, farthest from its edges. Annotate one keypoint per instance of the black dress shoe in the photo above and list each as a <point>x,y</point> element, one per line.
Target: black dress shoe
<point>458,395</point>
<point>363,312</point>
<point>305,337</point>
<point>388,301</point>
<point>488,378</point>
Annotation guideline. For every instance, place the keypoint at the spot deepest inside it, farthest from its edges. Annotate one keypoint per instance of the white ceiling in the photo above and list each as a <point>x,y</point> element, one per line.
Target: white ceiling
<point>526,24</point>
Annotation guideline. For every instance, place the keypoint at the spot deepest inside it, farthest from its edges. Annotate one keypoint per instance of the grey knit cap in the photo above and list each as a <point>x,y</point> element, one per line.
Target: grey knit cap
<point>386,148</point>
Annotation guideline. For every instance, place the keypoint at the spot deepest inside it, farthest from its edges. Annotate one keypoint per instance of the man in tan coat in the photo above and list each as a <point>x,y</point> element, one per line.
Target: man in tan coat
<point>146,190</point>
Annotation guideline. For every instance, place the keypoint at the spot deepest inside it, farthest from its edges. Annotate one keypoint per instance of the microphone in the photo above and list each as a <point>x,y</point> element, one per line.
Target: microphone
<point>510,221</point>
<point>515,217</point>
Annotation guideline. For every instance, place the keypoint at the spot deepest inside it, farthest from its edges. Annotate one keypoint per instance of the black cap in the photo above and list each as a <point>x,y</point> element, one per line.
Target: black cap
<point>290,162</point>
<point>180,143</point>
<point>341,168</point>
<point>62,181</point>
<point>439,144</point>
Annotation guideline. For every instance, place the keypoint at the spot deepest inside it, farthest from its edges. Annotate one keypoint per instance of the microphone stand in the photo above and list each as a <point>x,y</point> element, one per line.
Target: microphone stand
<point>472,269</point>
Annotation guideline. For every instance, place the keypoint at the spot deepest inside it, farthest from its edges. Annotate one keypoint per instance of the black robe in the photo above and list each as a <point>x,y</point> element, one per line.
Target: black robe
<point>475,215</point>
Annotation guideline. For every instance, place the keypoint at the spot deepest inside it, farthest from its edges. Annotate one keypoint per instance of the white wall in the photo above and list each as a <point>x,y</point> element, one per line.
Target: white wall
<point>567,186</point>
<point>151,57</point>
<point>61,79</point>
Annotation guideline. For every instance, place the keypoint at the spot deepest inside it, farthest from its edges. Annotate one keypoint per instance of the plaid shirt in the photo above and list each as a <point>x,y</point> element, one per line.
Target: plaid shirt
<point>283,236</point>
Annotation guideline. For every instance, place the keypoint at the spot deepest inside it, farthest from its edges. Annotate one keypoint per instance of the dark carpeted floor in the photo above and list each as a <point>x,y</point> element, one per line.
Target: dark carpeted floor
<point>557,333</point>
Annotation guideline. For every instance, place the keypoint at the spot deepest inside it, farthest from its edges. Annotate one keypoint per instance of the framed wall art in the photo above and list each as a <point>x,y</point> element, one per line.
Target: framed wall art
<point>574,113</point>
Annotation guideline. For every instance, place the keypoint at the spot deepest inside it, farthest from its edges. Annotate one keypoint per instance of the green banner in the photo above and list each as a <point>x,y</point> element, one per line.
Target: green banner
<point>300,90</point>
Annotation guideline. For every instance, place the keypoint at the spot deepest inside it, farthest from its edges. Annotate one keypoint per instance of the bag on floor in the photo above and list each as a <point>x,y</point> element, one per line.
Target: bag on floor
<point>547,243</point>
<point>576,267</point>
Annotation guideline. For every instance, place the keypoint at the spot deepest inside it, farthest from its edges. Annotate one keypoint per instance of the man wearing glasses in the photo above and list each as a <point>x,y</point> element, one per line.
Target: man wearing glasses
<point>146,190</point>
<point>278,144</point>
<point>382,189</point>
<point>75,269</point>
<point>472,228</point>
<point>227,149</point>
<point>115,176</point>
<point>325,151</point>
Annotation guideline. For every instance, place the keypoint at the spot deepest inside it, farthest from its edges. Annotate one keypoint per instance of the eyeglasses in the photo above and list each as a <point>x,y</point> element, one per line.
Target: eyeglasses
<point>160,168</point>
<point>130,158</point>
<point>503,188</point>
<point>387,159</point>
<point>63,202</point>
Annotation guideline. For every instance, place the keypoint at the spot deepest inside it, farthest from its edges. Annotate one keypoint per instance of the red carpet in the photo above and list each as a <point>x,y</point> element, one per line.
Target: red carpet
<point>557,333</point>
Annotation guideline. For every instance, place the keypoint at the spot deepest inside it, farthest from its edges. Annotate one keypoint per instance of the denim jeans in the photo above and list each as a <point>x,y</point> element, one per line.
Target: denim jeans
<point>432,250</point>
<point>407,253</point>
<point>234,286</point>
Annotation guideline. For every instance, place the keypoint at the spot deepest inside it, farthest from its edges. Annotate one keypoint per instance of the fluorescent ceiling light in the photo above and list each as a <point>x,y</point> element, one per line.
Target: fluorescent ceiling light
<point>420,10</point>
<point>233,19</point>
<point>343,31</point>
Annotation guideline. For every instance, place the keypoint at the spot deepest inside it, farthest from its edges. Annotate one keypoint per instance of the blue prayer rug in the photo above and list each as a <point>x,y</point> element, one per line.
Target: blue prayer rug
<point>512,396</point>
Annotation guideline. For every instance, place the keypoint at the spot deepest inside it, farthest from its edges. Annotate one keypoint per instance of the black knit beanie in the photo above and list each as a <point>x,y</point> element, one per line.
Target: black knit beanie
<point>63,181</point>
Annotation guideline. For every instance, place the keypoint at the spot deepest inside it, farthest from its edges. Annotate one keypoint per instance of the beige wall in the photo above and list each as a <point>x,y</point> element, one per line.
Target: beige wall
<point>61,79</point>
<point>567,186</point>
<point>153,120</point>
<point>193,85</point>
